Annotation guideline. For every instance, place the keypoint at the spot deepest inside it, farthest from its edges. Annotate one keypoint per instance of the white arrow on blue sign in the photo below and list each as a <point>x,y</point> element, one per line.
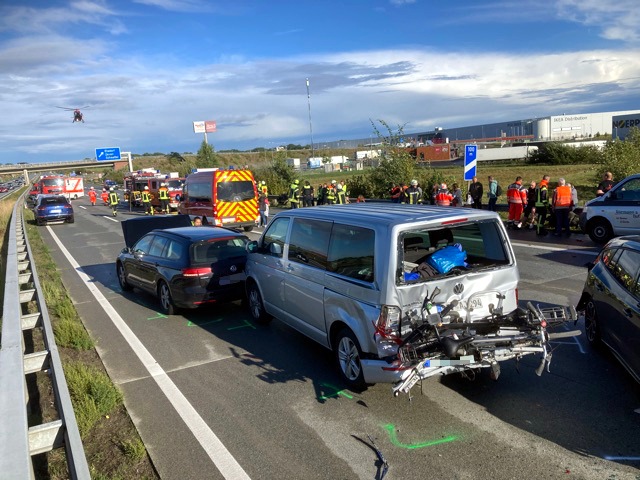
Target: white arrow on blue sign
<point>470,162</point>
<point>105,154</point>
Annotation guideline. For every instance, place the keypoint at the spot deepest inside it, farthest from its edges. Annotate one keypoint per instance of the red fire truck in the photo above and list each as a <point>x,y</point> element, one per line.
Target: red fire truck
<point>134,183</point>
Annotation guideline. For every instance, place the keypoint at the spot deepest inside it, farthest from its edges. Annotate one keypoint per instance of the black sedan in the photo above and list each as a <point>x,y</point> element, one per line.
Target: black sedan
<point>611,301</point>
<point>53,208</point>
<point>185,267</point>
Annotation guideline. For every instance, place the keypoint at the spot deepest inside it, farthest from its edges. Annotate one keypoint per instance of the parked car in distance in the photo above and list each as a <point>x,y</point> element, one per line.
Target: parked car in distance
<point>615,213</point>
<point>611,301</point>
<point>185,267</point>
<point>52,208</point>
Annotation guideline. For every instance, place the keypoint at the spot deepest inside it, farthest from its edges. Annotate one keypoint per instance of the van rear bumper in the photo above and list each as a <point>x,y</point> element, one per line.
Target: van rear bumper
<point>379,371</point>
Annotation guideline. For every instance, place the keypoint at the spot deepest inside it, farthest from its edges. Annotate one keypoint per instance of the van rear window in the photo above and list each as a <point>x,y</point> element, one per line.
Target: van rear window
<point>237,191</point>
<point>482,243</point>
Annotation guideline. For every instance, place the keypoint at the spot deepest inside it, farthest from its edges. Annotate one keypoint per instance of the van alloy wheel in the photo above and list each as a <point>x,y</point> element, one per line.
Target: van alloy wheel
<point>347,354</point>
<point>256,307</point>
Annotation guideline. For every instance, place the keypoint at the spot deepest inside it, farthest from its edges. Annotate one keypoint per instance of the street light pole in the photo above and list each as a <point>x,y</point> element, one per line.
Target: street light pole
<point>310,128</point>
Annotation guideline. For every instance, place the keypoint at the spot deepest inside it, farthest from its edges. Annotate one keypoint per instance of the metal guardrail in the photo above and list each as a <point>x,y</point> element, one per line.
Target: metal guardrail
<point>18,441</point>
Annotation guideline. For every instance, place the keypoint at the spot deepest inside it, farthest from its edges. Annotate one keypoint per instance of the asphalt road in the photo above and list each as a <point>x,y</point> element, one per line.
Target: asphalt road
<point>215,396</point>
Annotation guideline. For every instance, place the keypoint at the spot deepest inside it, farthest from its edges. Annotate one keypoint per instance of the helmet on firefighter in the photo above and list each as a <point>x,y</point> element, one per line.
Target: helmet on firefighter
<point>163,184</point>
<point>443,186</point>
<point>104,189</point>
<point>263,182</point>
<point>333,182</point>
<point>111,189</point>
<point>91,188</point>
<point>414,183</point>
<point>146,187</point>
<point>296,181</point>
<point>339,187</point>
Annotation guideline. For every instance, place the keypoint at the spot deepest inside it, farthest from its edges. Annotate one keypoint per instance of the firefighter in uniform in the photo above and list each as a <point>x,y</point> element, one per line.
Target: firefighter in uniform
<point>113,201</point>
<point>263,188</point>
<point>146,201</point>
<point>414,193</point>
<point>517,198</point>
<point>341,197</point>
<point>294,194</point>
<point>163,195</point>
<point>542,204</point>
<point>330,197</point>
<point>307,194</point>
<point>562,203</point>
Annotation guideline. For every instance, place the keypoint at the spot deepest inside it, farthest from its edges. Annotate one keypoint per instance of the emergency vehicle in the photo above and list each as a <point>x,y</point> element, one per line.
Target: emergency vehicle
<point>51,184</point>
<point>73,187</point>
<point>134,183</point>
<point>226,198</point>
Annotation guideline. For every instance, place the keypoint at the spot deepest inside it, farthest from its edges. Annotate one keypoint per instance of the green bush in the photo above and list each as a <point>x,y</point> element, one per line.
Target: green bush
<point>621,157</point>
<point>72,334</point>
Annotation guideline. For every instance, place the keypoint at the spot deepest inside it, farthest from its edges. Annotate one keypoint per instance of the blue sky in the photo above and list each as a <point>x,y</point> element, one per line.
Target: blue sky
<point>148,68</point>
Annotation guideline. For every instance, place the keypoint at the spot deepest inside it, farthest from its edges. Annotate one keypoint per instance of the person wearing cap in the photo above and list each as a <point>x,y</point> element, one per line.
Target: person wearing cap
<point>146,201</point>
<point>163,195</point>
<point>413,194</point>
<point>92,196</point>
<point>294,194</point>
<point>443,197</point>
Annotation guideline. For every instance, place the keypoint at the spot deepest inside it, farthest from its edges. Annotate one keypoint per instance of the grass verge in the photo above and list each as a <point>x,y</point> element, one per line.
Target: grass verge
<point>112,445</point>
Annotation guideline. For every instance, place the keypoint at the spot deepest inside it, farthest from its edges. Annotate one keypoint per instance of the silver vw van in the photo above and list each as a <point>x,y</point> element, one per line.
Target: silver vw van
<point>355,277</point>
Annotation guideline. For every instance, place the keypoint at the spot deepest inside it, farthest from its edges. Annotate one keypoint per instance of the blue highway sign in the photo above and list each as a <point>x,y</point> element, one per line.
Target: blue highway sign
<point>470,162</point>
<point>104,154</point>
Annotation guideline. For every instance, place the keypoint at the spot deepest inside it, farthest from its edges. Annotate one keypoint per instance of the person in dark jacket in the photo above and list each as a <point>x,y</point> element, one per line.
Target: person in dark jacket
<point>476,191</point>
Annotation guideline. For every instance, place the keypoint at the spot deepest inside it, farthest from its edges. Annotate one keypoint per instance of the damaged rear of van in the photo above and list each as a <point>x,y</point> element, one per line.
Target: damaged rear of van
<point>356,278</point>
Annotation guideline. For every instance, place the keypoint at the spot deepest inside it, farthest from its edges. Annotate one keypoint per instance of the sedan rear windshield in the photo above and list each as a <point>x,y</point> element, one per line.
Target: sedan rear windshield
<point>426,254</point>
<point>53,201</point>
<point>219,249</point>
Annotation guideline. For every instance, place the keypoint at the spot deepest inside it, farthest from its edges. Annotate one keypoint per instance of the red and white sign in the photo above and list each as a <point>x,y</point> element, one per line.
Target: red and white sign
<point>210,126</point>
<point>198,127</point>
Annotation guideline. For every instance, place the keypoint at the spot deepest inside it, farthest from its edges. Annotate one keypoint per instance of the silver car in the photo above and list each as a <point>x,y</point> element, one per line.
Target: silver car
<point>355,278</point>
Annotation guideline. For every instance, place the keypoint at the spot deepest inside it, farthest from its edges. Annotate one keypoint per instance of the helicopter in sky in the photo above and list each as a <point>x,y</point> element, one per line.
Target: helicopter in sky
<point>77,114</point>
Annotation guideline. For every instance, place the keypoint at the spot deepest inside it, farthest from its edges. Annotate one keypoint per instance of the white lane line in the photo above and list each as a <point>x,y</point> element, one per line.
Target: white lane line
<point>554,249</point>
<point>110,218</point>
<point>82,206</point>
<point>218,453</point>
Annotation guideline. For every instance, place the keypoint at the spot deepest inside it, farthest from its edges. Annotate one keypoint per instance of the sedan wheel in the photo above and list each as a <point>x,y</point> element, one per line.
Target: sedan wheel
<point>166,302</point>
<point>347,355</point>
<point>591,326</point>
<point>256,307</point>
<point>122,278</point>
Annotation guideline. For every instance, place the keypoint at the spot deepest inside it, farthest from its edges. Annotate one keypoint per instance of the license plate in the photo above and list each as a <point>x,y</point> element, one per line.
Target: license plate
<point>57,210</point>
<point>228,219</point>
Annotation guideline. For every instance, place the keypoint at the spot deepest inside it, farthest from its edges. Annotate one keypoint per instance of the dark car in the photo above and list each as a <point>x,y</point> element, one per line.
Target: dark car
<point>611,301</point>
<point>52,208</point>
<point>185,267</point>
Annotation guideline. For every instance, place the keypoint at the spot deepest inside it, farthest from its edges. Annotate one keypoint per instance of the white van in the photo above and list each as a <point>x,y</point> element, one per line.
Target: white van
<point>615,213</point>
<point>355,278</point>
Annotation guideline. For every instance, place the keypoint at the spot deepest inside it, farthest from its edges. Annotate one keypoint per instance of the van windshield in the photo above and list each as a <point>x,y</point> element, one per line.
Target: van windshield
<point>432,253</point>
<point>237,191</point>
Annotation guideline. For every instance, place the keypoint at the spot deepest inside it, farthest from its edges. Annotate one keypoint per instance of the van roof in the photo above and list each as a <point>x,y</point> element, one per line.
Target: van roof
<point>389,214</point>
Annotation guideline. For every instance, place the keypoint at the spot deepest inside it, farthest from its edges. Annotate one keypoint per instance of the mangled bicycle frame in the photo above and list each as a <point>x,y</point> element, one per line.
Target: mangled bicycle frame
<point>441,344</point>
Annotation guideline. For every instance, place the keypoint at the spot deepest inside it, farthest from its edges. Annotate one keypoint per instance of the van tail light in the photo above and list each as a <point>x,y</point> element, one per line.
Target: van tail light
<point>389,321</point>
<point>196,272</point>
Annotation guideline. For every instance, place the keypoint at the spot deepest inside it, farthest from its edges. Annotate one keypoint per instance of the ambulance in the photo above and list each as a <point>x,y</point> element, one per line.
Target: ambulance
<point>73,187</point>
<point>225,198</point>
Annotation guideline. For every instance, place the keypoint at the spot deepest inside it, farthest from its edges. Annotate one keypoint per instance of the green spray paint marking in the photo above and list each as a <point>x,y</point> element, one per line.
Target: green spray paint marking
<point>335,393</point>
<point>245,323</point>
<point>158,315</point>
<point>197,324</point>
<point>394,439</point>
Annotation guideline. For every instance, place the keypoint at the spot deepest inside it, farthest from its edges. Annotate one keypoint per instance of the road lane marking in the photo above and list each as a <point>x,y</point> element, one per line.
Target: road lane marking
<point>217,452</point>
<point>110,218</point>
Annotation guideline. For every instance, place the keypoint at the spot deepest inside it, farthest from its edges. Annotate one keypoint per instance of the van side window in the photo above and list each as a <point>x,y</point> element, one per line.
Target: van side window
<point>276,233</point>
<point>351,252</point>
<point>309,242</point>
<point>199,192</point>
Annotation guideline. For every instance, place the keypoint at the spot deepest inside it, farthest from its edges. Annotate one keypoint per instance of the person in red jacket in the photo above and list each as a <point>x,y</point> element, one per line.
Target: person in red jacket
<point>443,197</point>
<point>517,198</point>
<point>105,196</point>
<point>92,196</point>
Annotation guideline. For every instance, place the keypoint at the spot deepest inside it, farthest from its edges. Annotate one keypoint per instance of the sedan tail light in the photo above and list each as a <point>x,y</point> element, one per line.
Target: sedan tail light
<point>196,272</point>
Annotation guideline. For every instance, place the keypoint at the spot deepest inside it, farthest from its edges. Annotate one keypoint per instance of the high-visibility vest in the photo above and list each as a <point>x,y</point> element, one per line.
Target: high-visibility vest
<point>146,198</point>
<point>340,197</point>
<point>294,193</point>
<point>515,194</point>
<point>414,195</point>
<point>113,198</point>
<point>163,193</point>
<point>562,197</point>
<point>542,196</point>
